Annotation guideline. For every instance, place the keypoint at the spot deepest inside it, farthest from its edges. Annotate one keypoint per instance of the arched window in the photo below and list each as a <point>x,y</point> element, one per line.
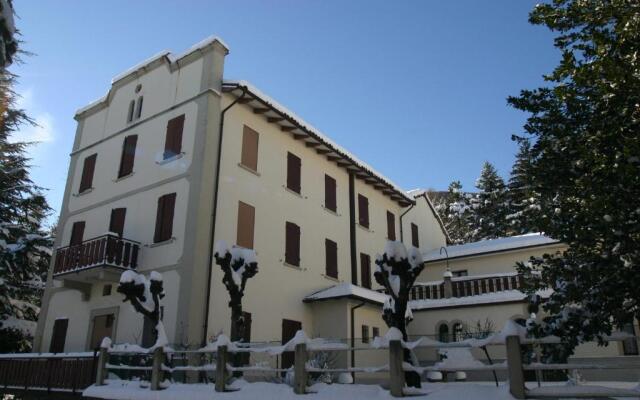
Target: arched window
<point>457,332</point>
<point>132,105</point>
<point>443,333</point>
<point>139,107</point>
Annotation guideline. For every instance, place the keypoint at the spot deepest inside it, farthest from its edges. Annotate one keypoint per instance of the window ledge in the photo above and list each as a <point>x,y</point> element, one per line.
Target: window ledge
<point>86,191</point>
<point>296,267</point>
<point>331,278</point>
<point>364,228</point>
<point>248,169</point>
<point>330,211</point>
<point>123,177</point>
<point>170,159</point>
<point>293,192</point>
<point>158,244</point>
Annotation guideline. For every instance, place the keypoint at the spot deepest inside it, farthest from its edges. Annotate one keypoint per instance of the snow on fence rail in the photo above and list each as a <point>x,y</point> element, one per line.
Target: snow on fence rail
<point>512,336</point>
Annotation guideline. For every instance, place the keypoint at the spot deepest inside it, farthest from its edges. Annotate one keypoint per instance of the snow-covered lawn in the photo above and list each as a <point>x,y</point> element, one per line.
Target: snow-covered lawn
<point>125,390</point>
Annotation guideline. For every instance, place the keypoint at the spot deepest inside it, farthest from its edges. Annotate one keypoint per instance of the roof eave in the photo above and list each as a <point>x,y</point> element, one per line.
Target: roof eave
<point>328,149</point>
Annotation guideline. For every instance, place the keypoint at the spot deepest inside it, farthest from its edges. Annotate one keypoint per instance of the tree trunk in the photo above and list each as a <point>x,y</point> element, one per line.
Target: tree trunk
<point>237,331</point>
<point>411,378</point>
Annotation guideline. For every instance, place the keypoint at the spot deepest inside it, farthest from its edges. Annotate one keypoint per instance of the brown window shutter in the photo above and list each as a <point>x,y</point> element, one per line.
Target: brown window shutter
<point>173,142</point>
<point>128,155</point>
<point>293,172</point>
<point>331,251</point>
<point>292,244</point>
<point>87,173</point>
<point>415,240</point>
<point>365,270</point>
<point>164,218</point>
<point>116,225</point>
<point>249,156</point>
<point>330,193</point>
<point>363,211</point>
<point>391,226</point>
<point>59,335</point>
<point>77,233</point>
<point>246,225</point>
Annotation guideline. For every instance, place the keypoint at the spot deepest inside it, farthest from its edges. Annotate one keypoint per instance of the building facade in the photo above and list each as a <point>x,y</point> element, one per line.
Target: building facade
<point>174,158</point>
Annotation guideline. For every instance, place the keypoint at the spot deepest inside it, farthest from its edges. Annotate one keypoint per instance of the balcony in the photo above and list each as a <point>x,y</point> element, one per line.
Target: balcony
<point>468,286</point>
<point>101,258</point>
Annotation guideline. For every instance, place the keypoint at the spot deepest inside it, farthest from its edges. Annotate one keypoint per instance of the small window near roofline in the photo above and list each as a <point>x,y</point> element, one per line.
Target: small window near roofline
<point>139,107</point>
<point>132,106</point>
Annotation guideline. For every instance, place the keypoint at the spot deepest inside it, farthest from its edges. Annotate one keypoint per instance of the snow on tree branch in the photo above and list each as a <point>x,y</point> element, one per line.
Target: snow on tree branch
<point>145,296</point>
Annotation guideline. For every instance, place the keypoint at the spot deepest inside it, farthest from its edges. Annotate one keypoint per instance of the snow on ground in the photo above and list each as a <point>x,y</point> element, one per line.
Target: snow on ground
<point>127,390</point>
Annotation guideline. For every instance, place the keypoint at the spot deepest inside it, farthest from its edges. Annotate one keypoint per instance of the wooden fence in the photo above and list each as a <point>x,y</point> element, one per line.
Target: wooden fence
<point>396,368</point>
<point>48,372</point>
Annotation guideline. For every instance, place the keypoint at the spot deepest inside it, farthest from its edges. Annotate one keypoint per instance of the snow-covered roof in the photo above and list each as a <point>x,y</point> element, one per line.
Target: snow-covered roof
<point>302,127</point>
<point>489,246</point>
<point>506,296</point>
<point>166,55</point>
<point>346,290</point>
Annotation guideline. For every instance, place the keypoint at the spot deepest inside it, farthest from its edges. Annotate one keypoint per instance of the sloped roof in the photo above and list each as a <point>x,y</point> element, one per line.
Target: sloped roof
<point>490,246</point>
<point>346,290</point>
<point>314,138</point>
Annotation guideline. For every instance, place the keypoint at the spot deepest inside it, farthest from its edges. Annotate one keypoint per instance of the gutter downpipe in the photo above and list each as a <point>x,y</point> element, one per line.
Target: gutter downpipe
<point>214,214</point>
<point>402,215</point>
<point>353,338</point>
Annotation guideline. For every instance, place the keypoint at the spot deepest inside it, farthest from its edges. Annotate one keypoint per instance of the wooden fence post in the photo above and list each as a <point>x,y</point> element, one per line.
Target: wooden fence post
<point>103,358</point>
<point>396,371</point>
<point>514,366</point>
<point>300,370</point>
<point>221,368</point>
<point>156,368</point>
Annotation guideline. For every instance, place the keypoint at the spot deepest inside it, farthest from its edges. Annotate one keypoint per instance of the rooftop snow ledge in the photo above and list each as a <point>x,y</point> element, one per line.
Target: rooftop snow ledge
<point>490,246</point>
<point>346,290</point>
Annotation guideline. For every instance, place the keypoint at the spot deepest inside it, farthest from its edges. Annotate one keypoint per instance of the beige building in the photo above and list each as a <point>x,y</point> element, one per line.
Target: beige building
<point>174,158</point>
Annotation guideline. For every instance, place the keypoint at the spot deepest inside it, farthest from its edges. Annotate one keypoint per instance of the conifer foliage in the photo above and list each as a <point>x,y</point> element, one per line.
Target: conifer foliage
<point>25,245</point>
<point>489,205</point>
<point>585,166</point>
<point>455,211</point>
<point>523,200</point>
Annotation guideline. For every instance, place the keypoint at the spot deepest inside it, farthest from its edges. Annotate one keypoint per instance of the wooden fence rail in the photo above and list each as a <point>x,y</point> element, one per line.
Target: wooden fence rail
<point>53,373</point>
<point>74,373</point>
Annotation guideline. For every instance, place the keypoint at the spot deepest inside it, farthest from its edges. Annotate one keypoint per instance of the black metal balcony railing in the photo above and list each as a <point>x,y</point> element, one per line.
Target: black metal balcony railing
<point>464,287</point>
<point>103,251</point>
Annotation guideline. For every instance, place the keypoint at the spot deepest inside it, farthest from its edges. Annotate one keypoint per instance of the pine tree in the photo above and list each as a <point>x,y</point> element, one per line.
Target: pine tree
<point>523,201</point>
<point>488,206</point>
<point>8,41</point>
<point>456,213</point>
<point>25,246</point>
<point>585,126</point>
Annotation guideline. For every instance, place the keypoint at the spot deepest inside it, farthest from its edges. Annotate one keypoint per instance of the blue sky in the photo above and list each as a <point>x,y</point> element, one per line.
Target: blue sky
<point>415,88</point>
